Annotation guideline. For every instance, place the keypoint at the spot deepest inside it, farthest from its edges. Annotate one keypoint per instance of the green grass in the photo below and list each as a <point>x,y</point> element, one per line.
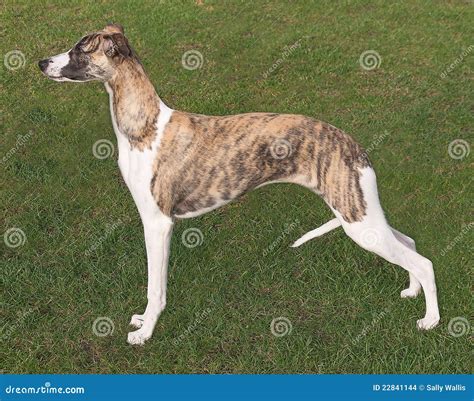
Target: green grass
<point>65,200</point>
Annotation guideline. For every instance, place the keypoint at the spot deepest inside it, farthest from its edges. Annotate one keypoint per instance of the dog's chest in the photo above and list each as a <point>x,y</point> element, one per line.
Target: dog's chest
<point>136,165</point>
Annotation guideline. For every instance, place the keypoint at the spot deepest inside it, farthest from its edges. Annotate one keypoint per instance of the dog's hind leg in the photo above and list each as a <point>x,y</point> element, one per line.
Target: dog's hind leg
<point>330,225</point>
<point>379,239</point>
<point>404,239</point>
<point>374,234</point>
<point>414,287</point>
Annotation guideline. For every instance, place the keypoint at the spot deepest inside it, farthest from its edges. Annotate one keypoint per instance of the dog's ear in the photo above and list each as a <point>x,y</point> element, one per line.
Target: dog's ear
<point>116,44</point>
<point>114,28</point>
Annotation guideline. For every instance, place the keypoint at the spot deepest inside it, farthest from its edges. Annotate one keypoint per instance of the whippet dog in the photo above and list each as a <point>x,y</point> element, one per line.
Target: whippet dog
<point>180,165</point>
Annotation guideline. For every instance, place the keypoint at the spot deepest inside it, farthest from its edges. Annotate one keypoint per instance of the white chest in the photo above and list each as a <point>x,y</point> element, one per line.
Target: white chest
<point>136,165</point>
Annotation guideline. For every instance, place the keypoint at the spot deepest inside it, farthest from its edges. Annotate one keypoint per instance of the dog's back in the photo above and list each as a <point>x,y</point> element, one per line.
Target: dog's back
<point>207,160</point>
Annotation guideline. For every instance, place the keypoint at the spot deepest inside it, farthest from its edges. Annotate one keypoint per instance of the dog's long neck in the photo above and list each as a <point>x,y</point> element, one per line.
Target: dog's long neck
<point>135,105</point>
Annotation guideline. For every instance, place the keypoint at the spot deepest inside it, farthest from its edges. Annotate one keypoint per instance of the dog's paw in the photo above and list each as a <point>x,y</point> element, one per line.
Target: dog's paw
<point>410,292</point>
<point>138,337</point>
<point>427,323</point>
<point>137,321</point>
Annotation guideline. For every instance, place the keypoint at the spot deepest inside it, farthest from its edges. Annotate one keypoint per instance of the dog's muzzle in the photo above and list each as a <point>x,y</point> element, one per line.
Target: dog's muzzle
<point>43,64</point>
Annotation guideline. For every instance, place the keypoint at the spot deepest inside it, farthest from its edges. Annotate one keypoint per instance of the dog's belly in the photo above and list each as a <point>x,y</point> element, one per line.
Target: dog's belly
<point>198,195</point>
<point>187,209</point>
<point>204,161</point>
<point>187,212</point>
<point>207,187</point>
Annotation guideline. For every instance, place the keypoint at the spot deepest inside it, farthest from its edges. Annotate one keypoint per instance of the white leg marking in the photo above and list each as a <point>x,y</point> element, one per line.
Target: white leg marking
<point>330,225</point>
<point>374,234</point>
<point>137,321</point>
<point>137,168</point>
<point>157,239</point>
<point>404,239</point>
<point>415,287</point>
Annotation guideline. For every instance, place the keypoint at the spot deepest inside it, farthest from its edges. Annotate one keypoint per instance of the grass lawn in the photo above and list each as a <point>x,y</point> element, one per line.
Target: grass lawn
<point>81,252</point>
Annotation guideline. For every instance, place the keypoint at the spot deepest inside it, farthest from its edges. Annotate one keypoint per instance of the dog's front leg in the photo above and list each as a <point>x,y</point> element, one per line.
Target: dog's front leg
<point>157,239</point>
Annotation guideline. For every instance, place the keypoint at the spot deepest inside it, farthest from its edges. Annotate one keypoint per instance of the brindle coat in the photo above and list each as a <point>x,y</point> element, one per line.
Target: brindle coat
<point>189,164</point>
<point>205,161</point>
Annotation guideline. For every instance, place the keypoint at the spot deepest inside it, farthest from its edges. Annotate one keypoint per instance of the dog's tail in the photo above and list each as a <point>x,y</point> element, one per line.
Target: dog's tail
<point>330,225</point>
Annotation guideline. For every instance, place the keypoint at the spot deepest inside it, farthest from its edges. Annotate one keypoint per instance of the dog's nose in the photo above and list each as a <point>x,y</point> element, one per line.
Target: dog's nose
<point>43,64</point>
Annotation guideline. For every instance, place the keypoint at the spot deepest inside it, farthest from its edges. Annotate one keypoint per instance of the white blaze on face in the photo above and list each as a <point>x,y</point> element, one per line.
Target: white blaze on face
<point>56,63</point>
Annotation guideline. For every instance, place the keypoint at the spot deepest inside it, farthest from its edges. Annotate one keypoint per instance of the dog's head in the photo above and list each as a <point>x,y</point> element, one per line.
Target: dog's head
<point>95,57</point>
